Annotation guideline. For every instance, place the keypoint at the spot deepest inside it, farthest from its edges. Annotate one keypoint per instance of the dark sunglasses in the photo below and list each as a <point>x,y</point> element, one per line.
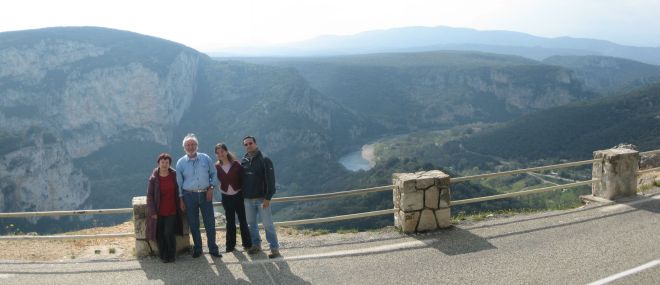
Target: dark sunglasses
<point>248,143</point>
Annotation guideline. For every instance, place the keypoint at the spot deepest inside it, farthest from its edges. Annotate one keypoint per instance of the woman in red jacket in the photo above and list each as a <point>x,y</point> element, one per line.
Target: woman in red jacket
<point>164,217</point>
<point>229,174</point>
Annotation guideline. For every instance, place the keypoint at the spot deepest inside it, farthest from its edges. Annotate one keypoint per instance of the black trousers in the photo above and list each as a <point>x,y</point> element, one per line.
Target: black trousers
<point>234,206</point>
<point>165,237</point>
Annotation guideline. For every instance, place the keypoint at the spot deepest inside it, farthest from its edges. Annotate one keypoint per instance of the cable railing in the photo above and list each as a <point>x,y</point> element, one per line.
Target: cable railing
<point>657,151</point>
<point>519,171</point>
<point>650,169</point>
<point>523,193</point>
<point>67,213</point>
<point>274,200</point>
<point>340,194</point>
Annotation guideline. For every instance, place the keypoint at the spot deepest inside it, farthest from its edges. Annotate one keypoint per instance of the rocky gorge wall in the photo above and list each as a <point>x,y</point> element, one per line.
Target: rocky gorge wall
<point>64,99</point>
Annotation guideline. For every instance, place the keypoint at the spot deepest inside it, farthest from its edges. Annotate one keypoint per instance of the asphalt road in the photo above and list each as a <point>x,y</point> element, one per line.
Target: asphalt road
<point>562,247</point>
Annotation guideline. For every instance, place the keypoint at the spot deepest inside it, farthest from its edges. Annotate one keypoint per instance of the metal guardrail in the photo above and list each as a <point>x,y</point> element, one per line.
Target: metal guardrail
<point>522,193</point>
<point>61,237</point>
<point>67,213</point>
<point>648,170</point>
<point>332,195</point>
<point>657,151</point>
<point>533,169</point>
<point>130,210</point>
<point>512,172</point>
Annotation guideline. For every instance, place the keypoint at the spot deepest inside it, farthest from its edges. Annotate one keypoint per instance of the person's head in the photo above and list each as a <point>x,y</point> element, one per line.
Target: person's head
<point>164,161</point>
<point>222,153</point>
<point>250,143</point>
<point>190,144</point>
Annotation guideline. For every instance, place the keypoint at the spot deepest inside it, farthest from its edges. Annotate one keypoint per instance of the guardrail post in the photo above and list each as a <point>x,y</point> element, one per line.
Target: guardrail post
<point>144,247</point>
<point>617,173</point>
<point>422,201</point>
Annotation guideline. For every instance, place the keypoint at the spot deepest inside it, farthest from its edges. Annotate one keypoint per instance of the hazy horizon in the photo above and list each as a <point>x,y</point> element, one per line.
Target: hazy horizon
<point>214,25</point>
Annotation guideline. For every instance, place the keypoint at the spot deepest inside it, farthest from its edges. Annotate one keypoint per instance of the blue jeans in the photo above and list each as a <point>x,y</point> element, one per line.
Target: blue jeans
<point>196,201</point>
<point>254,207</point>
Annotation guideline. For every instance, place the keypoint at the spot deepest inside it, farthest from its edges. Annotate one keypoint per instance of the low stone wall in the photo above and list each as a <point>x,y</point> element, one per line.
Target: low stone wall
<point>144,247</point>
<point>422,200</point>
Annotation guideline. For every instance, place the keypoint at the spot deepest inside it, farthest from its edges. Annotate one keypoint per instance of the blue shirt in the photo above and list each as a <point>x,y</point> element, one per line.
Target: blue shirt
<point>197,173</point>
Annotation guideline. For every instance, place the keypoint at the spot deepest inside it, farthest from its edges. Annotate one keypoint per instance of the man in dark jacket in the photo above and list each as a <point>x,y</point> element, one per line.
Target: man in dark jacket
<point>258,190</point>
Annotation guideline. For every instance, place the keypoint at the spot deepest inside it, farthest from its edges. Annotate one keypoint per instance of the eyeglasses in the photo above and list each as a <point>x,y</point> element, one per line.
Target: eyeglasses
<point>248,143</point>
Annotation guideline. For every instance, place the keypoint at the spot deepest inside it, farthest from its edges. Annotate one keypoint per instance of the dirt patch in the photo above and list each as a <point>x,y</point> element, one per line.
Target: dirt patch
<point>123,247</point>
<point>50,250</point>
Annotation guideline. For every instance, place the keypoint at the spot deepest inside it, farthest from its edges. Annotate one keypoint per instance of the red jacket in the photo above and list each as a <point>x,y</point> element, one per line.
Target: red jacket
<point>153,202</point>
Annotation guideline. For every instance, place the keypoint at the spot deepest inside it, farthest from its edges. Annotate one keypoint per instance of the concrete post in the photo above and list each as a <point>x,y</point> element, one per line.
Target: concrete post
<point>144,247</point>
<point>617,172</point>
<point>422,200</point>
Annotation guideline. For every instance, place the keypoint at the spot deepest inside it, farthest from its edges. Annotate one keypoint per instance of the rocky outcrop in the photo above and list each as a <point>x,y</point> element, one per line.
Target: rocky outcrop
<point>64,99</point>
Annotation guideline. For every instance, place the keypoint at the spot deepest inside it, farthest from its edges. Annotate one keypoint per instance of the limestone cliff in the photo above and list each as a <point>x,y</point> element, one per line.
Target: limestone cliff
<point>62,99</point>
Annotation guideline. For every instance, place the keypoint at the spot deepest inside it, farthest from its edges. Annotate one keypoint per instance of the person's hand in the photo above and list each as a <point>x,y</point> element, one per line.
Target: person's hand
<point>266,204</point>
<point>154,216</point>
<point>182,205</point>
<point>209,194</point>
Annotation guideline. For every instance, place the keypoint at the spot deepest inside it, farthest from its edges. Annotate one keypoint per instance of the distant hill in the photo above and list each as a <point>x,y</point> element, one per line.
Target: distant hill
<point>432,90</point>
<point>573,132</point>
<point>411,39</point>
<point>609,75</point>
<point>84,111</point>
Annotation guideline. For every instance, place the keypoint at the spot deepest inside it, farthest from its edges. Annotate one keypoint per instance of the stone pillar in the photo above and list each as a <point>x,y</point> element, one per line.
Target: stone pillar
<point>617,171</point>
<point>422,200</point>
<point>144,247</point>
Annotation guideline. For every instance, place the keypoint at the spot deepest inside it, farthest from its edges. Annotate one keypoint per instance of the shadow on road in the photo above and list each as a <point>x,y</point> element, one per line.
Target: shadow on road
<point>186,270</point>
<point>455,241</point>
<point>276,272</point>
<point>649,203</point>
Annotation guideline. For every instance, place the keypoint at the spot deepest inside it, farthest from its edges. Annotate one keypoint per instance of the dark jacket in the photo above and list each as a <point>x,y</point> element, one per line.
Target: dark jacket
<point>153,202</point>
<point>258,177</point>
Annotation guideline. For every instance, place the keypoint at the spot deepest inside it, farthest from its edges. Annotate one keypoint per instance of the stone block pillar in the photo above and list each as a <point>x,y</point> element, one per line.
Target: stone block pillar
<point>144,247</point>
<point>617,171</point>
<point>422,200</point>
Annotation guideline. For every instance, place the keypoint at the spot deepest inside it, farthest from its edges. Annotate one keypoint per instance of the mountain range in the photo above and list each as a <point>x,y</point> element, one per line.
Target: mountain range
<point>415,39</point>
<point>84,111</point>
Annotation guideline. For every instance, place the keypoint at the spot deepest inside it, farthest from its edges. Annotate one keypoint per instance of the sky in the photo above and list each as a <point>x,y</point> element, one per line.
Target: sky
<point>212,25</point>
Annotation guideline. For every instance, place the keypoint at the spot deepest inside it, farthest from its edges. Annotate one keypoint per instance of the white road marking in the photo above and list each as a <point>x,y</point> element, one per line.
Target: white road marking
<point>632,271</point>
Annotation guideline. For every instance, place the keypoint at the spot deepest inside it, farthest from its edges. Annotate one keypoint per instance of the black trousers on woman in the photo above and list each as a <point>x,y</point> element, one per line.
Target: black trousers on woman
<point>234,206</point>
<point>166,238</point>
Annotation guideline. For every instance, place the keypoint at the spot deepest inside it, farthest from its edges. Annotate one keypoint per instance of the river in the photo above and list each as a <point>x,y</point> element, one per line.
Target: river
<point>362,159</point>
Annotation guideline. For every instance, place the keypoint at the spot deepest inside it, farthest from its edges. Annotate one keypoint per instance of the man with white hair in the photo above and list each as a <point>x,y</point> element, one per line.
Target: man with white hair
<point>197,176</point>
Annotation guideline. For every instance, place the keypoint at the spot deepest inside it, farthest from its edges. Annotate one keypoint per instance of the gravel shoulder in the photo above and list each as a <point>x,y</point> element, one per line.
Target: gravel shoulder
<point>123,248</point>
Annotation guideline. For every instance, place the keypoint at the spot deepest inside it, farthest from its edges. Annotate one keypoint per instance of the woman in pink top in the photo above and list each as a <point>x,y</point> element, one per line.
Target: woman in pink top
<point>229,174</point>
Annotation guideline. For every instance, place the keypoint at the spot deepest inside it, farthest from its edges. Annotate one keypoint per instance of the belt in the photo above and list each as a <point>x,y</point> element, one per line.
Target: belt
<point>195,190</point>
